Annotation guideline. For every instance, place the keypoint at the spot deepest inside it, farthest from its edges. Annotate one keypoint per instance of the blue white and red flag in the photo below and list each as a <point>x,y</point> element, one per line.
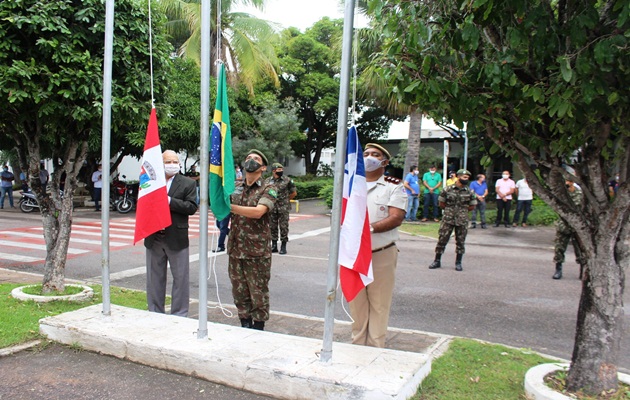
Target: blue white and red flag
<point>355,256</point>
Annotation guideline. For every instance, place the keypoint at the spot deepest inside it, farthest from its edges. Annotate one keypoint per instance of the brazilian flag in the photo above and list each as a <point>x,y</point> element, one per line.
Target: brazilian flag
<point>221,161</point>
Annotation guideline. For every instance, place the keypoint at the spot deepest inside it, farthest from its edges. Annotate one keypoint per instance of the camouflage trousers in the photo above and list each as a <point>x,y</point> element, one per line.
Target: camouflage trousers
<point>279,220</point>
<point>563,236</point>
<point>445,234</point>
<point>250,286</point>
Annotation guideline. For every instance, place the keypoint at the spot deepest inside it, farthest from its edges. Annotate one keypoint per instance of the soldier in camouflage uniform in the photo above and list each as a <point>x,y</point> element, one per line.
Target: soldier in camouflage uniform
<point>456,200</point>
<point>249,247</point>
<point>564,233</point>
<point>280,213</point>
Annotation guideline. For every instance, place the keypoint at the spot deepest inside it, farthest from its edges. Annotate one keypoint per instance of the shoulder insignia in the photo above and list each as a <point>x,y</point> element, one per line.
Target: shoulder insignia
<point>393,180</point>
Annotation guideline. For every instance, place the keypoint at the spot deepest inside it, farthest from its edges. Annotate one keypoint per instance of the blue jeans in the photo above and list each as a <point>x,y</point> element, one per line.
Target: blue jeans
<point>430,199</point>
<point>6,191</point>
<point>526,207</point>
<point>412,207</point>
<point>481,206</point>
<point>224,230</point>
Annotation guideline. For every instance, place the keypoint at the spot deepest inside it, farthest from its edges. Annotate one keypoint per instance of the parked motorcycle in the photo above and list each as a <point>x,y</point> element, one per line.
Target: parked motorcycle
<point>28,202</point>
<point>128,200</point>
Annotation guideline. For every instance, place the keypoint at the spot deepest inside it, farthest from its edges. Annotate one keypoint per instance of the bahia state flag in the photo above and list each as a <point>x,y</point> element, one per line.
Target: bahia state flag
<point>152,211</point>
<point>222,175</point>
<point>355,256</point>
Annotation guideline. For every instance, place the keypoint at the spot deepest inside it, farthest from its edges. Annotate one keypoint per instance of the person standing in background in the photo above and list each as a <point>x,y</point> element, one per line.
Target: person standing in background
<point>431,181</point>
<point>504,188</point>
<point>6,186</point>
<point>480,188</point>
<point>412,188</point>
<point>524,202</point>
<point>280,214</point>
<point>97,181</point>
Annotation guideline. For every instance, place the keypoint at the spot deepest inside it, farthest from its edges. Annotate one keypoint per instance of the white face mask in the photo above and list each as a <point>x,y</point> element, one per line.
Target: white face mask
<point>371,163</point>
<point>505,176</point>
<point>171,169</point>
<point>416,172</point>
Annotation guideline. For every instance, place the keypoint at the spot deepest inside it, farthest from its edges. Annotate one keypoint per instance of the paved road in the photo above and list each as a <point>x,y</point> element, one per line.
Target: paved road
<point>505,293</point>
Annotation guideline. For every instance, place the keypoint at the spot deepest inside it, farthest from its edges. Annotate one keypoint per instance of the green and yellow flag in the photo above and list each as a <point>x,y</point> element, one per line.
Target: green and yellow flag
<point>221,161</point>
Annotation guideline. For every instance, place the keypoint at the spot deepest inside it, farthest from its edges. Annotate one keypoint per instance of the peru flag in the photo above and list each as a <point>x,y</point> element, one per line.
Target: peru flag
<point>355,256</point>
<point>152,212</point>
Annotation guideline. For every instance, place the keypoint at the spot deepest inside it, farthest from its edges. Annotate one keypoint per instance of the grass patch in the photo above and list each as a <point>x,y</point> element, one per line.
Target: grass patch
<point>429,229</point>
<point>37,291</point>
<point>558,381</point>
<point>476,371</point>
<point>20,319</point>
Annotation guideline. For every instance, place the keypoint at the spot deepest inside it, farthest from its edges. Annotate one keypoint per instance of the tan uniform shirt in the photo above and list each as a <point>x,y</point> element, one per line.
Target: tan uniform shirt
<point>379,198</point>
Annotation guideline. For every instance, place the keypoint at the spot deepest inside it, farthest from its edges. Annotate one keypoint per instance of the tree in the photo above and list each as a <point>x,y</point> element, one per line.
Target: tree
<point>548,83</point>
<point>246,41</point>
<point>50,80</point>
<point>310,76</point>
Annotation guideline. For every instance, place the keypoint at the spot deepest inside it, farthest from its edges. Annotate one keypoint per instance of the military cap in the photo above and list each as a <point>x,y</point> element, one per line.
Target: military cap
<point>381,148</point>
<point>254,151</point>
<point>463,172</point>
<point>276,165</point>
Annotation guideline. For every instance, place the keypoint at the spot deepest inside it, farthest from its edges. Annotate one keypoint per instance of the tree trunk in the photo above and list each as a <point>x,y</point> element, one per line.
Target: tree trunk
<point>413,141</point>
<point>599,327</point>
<point>57,228</point>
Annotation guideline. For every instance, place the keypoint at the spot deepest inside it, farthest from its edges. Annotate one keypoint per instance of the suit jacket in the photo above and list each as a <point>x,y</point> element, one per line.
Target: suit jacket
<point>183,194</point>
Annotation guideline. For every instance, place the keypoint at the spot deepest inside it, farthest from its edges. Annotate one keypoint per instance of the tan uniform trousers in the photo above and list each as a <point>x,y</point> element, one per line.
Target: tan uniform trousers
<point>370,308</point>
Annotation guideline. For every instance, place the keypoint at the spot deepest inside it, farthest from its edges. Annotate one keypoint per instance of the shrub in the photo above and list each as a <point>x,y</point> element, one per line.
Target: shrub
<point>326,193</point>
<point>311,188</point>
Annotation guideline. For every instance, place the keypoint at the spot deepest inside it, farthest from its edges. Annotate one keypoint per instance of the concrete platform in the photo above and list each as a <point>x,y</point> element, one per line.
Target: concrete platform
<point>273,364</point>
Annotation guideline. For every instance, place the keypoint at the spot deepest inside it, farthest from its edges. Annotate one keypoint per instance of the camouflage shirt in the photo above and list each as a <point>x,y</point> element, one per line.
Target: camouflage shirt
<point>457,202</point>
<point>251,237</point>
<point>576,198</point>
<point>285,187</point>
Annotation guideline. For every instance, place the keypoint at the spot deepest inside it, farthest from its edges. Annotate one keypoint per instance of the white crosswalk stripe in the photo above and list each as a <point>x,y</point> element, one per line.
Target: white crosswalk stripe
<point>17,257</point>
<point>72,239</point>
<point>38,246</point>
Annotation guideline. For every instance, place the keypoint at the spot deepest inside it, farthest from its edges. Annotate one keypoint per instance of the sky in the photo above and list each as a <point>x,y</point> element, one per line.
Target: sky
<point>301,14</point>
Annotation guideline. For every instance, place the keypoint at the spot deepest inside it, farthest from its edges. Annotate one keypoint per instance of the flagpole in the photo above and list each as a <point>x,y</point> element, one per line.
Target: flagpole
<point>105,151</point>
<point>342,127</point>
<point>202,333</point>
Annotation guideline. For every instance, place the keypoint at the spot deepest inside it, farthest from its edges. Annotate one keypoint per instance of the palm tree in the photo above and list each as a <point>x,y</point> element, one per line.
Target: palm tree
<point>246,41</point>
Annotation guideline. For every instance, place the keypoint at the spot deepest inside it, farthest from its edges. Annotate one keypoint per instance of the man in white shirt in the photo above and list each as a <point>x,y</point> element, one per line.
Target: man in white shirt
<point>524,203</point>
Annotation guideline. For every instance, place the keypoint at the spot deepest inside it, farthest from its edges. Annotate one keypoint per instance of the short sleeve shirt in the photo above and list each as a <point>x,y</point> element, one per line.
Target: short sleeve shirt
<point>504,186</point>
<point>412,180</point>
<point>432,180</point>
<point>380,197</point>
<point>479,188</point>
<point>524,191</point>
<point>250,237</point>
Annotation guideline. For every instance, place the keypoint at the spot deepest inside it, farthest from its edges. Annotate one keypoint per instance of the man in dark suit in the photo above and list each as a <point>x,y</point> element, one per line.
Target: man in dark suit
<point>171,244</point>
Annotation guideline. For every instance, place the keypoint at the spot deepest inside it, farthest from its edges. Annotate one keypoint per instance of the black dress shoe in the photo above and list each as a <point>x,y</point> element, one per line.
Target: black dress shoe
<point>218,249</point>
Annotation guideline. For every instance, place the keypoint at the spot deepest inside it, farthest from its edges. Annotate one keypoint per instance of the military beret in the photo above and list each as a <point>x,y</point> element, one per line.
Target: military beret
<point>463,172</point>
<point>254,151</point>
<point>276,165</point>
<point>381,148</point>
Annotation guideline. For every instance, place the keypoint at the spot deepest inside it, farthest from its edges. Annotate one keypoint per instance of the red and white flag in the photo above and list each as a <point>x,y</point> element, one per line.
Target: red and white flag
<point>152,212</point>
<point>355,241</point>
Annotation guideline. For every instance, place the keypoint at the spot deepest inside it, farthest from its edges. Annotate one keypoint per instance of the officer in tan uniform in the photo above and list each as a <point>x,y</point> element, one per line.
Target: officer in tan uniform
<point>387,205</point>
<point>249,244</point>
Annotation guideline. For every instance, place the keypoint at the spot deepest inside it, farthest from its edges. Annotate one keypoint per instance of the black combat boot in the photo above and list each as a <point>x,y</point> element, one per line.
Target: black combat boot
<point>458,262</point>
<point>436,263</point>
<point>274,247</point>
<point>473,225</point>
<point>283,248</point>
<point>558,274</point>
<point>246,322</point>
<point>259,325</point>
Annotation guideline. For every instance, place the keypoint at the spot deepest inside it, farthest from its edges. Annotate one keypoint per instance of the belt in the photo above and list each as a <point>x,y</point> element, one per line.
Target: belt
<point>384,247</point>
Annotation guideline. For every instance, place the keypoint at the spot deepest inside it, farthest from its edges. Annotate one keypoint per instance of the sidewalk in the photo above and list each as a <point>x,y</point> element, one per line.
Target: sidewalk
<point>296,326</point>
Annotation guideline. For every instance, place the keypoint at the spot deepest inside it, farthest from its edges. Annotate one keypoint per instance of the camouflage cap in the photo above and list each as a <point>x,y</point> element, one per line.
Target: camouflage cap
<point>381,148</point>
<point>276,165</point>
<point>260,153</point>
<point>463,172</point>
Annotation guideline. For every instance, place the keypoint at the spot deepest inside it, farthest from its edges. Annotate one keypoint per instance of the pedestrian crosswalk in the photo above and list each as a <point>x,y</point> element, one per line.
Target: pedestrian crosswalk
<point>27,244</point>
